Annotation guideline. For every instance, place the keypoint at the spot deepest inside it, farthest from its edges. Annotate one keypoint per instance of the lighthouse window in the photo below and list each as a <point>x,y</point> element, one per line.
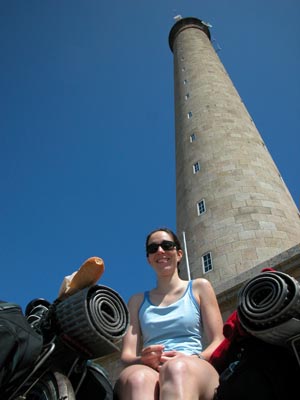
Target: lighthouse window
<point>187,96</point>
<point>192,137</point>
<point>185,82</point>
<point>196,167</point>
<point>189,114</point>
<point>207,262</point>
<point>201,207</point>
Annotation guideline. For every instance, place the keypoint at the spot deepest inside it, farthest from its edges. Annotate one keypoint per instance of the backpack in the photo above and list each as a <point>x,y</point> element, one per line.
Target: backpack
<point>261,371</point>
<point>20,345</point>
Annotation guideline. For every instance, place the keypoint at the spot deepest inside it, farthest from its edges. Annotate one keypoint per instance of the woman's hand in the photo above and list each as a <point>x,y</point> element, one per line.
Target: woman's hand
<point>168,355</point>
<point>151,356</point>
<point>155,356</point>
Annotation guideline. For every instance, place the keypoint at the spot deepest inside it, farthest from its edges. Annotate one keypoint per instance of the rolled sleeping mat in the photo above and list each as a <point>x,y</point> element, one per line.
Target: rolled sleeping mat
<point>92,321</point>
<point>269,307</point>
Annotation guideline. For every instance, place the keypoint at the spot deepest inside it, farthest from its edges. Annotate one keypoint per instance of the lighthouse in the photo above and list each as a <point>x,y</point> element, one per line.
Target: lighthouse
<point>234,212</point>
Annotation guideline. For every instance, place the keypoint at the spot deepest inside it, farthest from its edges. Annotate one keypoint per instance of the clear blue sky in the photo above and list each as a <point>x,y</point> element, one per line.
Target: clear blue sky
<point>87,126</point>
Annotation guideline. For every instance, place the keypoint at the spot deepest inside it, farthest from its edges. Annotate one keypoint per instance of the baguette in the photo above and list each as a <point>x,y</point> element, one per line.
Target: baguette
<point>87,275</point>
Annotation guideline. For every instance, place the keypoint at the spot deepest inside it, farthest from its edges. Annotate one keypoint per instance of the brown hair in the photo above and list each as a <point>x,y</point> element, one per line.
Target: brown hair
<point>170,232</point>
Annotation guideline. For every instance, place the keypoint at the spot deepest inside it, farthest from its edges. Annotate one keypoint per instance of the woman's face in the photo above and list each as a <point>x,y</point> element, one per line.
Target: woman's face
<point>163,261</point>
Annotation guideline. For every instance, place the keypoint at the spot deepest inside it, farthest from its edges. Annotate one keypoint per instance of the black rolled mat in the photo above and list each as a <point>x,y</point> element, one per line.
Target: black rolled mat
<point>92,321</point>
<point>269,307</point>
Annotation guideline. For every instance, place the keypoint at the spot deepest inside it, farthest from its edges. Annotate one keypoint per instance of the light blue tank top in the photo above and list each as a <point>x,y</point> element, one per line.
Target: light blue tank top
<point>177,326</point>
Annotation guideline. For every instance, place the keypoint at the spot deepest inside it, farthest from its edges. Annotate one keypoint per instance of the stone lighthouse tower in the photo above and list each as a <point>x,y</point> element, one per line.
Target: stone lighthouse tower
<point>234,211</point>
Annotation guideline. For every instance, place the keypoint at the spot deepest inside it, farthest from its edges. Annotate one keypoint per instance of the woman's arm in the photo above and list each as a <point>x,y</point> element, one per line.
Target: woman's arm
<point>211,315</point>
<point>131,348</point>
<point>132,339</point>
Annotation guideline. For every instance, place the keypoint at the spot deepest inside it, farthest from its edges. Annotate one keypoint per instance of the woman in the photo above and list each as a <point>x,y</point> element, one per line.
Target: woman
<point>166,323</point>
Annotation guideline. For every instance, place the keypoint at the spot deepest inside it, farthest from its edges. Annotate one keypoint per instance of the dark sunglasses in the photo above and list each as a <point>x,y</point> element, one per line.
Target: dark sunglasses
<point>165,245</point>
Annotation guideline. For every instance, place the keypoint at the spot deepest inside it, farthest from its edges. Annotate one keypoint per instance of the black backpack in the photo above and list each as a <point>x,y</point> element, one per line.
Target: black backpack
<point>260,371</point>
<point>20,345</point>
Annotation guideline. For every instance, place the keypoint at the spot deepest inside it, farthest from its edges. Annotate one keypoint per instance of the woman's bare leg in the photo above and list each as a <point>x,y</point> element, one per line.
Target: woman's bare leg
<point>138,382</point>
<point>187,378</point>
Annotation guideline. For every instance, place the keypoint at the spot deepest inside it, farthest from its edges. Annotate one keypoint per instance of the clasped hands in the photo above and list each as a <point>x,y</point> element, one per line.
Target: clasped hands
<point>154,356</point>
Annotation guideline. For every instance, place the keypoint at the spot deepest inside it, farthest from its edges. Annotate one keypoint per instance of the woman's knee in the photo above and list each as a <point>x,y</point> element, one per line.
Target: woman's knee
<point>136,377</point>
<point>176,368</point>
<point>185,371</point>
